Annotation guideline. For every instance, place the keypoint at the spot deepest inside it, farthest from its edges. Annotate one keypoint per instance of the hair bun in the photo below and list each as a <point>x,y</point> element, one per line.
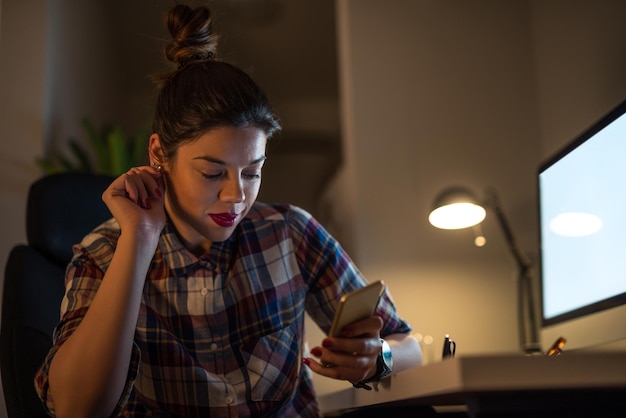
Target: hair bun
<point>192,35</point>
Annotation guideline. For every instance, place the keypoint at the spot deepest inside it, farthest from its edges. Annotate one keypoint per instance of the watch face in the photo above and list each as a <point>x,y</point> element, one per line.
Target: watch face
<point>385,360</point>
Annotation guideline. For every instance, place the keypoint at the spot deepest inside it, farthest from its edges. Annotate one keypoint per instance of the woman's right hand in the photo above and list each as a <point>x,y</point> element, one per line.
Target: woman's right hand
<point>136,199</point>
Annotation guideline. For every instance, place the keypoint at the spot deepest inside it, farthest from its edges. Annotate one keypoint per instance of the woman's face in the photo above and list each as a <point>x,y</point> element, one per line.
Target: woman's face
<point>212,182</point>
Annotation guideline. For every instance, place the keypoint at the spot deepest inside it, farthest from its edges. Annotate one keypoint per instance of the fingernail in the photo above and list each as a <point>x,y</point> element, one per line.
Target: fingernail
<point>316,351</point>
<point>327,343</point>
<point>157,192</point>
<point>346,332</point>
<point>306,361</point>
<point>147,203</point>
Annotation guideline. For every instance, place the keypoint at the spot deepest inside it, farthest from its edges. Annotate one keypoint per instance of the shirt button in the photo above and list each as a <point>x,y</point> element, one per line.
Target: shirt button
<point>213,347</point>
<point>204,291</point>
<point>228,400</point>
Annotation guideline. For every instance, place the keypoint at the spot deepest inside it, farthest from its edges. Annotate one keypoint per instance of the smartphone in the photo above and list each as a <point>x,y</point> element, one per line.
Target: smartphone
<point>356,305</point>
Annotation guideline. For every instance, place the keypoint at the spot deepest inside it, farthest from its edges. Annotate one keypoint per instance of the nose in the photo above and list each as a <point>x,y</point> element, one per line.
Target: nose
<point>232,191</point>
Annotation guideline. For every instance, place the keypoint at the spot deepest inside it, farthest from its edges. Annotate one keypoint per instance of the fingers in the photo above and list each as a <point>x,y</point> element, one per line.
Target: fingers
<point>351,359</point>
<point>352,368</point>
<point>362,346</point>
<point>348,352</point>
<point>369,327</point>
<point>140,184</point>
<point>136,200</point>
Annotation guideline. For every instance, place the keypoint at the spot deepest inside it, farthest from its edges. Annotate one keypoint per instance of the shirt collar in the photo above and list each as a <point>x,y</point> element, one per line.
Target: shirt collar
<point>183,262</point>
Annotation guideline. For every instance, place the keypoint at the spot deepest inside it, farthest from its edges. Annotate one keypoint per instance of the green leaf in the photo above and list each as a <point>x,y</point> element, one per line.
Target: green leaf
<point>120,157</point>
<point>67,165</point>
<point>114,153</point>
<point>84,165</point>
<point>48,165</point>
<point>98,141</point>
<point>139,149</point>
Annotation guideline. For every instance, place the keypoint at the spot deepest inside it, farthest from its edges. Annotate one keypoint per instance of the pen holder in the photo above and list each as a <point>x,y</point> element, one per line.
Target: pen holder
<point>449,347</point>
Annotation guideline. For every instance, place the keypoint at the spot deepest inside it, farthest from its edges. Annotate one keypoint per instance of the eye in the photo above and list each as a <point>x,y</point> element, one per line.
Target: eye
<point>252,175</point>
<point>212,176</point>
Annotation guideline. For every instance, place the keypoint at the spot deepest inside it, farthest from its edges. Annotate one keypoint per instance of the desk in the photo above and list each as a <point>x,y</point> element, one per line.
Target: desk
<point>499,385</point>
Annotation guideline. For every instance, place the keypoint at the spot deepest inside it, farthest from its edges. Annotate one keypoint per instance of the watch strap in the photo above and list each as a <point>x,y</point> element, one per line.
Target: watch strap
<point>384,364</point>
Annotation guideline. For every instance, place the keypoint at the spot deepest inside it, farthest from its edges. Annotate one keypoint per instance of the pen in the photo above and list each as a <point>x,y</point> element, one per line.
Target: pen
<point>449,347</point>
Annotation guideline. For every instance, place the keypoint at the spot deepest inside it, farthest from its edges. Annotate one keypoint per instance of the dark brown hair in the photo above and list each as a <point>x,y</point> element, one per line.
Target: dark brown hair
<point>203,92</point>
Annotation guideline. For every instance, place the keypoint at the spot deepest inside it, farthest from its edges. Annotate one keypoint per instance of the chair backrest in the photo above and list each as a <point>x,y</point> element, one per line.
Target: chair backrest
<point>61,209</point>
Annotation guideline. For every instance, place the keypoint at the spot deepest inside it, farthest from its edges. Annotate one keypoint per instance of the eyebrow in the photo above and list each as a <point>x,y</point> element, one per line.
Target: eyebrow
<point>218,161</point>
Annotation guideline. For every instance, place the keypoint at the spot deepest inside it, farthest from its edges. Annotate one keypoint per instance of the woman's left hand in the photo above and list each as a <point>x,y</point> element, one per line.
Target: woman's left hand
<point>351,357</point>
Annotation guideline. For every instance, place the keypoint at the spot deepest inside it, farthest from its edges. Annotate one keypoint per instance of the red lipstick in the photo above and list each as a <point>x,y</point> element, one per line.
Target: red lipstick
<point>224,220</point>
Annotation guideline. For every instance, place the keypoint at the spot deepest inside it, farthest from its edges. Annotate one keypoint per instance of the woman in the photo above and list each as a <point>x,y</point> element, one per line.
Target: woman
<point>190,301</point>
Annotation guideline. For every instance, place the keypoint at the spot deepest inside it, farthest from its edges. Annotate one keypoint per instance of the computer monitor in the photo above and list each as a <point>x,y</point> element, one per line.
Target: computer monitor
<point>582,220</point>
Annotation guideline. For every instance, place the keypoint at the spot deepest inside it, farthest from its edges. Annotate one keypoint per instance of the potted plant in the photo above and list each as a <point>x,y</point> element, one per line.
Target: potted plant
<point>114,153</point>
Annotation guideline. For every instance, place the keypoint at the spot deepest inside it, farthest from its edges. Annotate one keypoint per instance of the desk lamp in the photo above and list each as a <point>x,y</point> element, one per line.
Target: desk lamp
<point>458,208</point>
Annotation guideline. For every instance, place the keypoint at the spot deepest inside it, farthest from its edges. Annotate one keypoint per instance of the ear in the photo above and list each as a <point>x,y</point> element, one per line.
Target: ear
<point>155,151</point>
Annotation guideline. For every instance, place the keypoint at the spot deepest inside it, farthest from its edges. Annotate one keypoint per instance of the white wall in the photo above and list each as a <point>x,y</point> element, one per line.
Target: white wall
<point>22,57</point>
<point>580,56</point>
<point>436,93</point>
<point>441,93</point>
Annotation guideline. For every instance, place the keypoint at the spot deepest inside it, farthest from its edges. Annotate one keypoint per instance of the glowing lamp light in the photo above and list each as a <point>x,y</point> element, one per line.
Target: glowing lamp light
<point>456,208</point>
<point>457,216</point>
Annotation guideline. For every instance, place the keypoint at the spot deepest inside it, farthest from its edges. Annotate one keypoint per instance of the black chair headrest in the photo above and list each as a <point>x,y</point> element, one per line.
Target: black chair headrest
<point>63,208</point>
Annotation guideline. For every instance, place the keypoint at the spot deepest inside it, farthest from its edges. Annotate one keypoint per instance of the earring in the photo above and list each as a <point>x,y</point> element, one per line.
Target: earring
<point>156,165</point>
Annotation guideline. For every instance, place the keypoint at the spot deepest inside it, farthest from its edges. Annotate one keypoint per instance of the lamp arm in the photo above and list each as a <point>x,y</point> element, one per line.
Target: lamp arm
<point>529,335</point>
<point>523,262</point>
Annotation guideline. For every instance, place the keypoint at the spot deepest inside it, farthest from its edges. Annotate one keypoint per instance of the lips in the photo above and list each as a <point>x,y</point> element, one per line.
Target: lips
<point>225,220</point>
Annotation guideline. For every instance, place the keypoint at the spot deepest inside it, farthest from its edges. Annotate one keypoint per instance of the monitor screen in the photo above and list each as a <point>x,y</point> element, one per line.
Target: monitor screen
<point>582,219</point>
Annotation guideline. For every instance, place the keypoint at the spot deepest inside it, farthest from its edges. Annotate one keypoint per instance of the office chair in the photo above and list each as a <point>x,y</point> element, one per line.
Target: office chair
<point>61,209</point>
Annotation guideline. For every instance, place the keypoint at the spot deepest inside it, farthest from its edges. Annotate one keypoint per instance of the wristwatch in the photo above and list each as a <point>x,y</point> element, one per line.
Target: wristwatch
<point>384,365</point>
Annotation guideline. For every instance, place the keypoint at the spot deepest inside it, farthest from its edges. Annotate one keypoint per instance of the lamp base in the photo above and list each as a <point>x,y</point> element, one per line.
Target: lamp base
<point>532,349</point>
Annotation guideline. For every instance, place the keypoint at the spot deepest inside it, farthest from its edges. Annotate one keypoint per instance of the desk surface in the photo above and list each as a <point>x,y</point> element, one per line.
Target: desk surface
<point>452,381</point>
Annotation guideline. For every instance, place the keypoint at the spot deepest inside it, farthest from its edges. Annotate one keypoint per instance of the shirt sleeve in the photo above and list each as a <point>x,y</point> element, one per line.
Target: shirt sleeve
<point>330,273</point>
<point>82,280</point>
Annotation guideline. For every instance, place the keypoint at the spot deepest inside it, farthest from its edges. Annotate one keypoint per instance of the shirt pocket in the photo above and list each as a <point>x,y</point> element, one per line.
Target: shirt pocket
<point>273,364</point>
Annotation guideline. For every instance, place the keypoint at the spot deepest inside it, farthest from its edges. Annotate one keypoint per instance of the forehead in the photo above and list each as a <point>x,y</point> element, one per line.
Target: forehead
<point>227,143</point>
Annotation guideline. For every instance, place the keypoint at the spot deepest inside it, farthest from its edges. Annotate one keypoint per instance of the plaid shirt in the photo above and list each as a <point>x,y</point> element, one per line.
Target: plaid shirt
<point>222,335</point>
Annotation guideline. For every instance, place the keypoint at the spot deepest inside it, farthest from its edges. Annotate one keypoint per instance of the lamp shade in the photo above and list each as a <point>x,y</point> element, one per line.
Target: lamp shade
<point>456,208</point>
